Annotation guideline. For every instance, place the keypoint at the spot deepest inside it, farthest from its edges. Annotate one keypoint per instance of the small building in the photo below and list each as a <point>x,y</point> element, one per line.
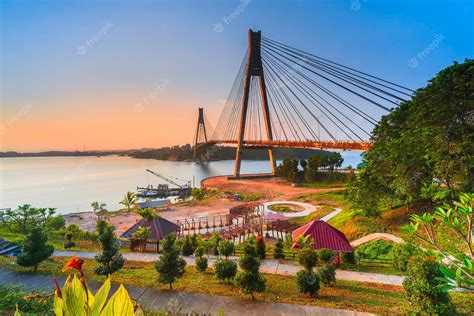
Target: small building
<point>323,235</point>
<point>8,249</point>
<point>159,228</point>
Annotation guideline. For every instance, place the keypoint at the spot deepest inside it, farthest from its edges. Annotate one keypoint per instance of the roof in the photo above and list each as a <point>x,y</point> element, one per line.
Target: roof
<point>160,227</point>
<point>157,203</point>
<point>324,236</point>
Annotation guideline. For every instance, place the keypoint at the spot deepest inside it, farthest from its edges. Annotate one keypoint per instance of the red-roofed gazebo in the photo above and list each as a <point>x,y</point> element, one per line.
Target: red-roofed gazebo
<point>323,236</point>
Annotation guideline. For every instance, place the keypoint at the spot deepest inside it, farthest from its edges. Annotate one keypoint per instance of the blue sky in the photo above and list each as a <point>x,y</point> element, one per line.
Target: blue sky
<point>133,47</point>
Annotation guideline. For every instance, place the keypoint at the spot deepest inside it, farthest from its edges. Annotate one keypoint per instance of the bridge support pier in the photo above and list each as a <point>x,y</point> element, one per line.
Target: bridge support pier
<point>200,128</point>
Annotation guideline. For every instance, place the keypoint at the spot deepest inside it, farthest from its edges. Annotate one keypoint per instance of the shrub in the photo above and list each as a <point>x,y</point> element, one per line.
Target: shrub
<point>225,248</point>
<point>170,266</point>
<point>307,282</point>
<point>348,257</point>
<point>377,249</point>
<point>11,295</point>
<point>423,290</point>
<point>402,254</point>
<point>187,247</point>
<point>100,226</point>
<point>69,243</point>
<point>201,264</point>
<point>261,247</point>
<point>327,274</point>
<point>110,260</point>
<point>35,249</point>
<point>308,258</point>
<point>56,222</point>
<point>214,241</point>
<point>198,194</point>
<point>225,269</point>
<point>249,279</point>
<point>199,252</point>
<point>326,255</point>
<point>278,251</point>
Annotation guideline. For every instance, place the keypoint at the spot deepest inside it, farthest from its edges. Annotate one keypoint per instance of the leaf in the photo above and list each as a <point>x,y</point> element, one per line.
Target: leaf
<point>74,297</point>
<point>100,297</point>
<point>447,273</point>
<point>58,305</point>
<point>17,312</point>
<point>119,304</point>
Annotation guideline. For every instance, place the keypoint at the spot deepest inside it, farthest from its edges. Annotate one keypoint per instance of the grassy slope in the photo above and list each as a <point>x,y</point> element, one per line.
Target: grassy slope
<point>366,297</point>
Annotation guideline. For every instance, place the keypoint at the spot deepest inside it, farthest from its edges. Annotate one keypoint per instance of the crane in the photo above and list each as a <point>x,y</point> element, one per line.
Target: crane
<point>161,176</point>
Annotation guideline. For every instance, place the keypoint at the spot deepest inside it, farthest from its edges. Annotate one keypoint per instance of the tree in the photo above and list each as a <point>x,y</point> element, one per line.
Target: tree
<point>170,265</point>
<point>456,219</point>
<point>187,247</point>
<point>225,248</point>
<point>56,222</point>
<point>306,280</point>
<point>129,200</point>
<point>35,249</point>
<point>225,268</point>
<point>430,137</point>
<point>100,226</point>
<point>99,209</point>
<point>311,172</point>
<point>402,253</point>
<point>198,194</point>
<point>110,260</point>
<point>278,251</point>
<point>201,262</point>
<point>69,243</point>
<point>142,233</point>
<point>326,256</point>
<point>214,241</point>
<point>327,271</point>
<point>25,218</point>
<point>249,280</point>
<point>288,170</point>
<point>261,248</point>
<point>423,288</point>
<point>147,213</point>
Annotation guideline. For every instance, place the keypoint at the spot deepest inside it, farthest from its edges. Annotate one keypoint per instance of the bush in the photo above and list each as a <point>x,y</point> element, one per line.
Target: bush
<point>69,244</point>
<point>327,274</point>
<point>199,252</point>
<point>198,194</point>
<point>10,296</point>
<point>326,255</point>
<point>249,280</point>
<point>261,247</point>
<point>214,241</point>
<point>56,222</point>
<point>278,251</point>
<point>377,249</point>
<point>225,248</point>
<point>402,254</point>
<point>187,247</point>
<point>110,260</point>
<point>308,258</point>
<point>348,257</point>
<point>35,249</point>
<point>170,266</point>
<point>423,290</point>
<point>225,269</point>
<point>307,282</point>
<point>201,264</point>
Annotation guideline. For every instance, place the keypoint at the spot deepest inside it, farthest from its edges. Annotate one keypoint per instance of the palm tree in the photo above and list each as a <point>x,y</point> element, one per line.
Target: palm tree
<point>99,208</point>
<point>129,200</point>
<point>142,233</point>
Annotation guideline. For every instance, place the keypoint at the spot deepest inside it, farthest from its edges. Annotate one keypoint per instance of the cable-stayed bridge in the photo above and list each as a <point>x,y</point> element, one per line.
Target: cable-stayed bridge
<point>285,97</point>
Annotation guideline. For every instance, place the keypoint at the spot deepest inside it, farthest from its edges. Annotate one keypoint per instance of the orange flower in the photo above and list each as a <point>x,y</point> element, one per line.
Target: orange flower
<point>74,263</point>
<point>30,297</point>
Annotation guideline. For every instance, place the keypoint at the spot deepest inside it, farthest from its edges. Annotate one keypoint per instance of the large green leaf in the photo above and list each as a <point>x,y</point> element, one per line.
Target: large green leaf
<point>119,304</point>
<point>100,298</point>
<point>74,298</point>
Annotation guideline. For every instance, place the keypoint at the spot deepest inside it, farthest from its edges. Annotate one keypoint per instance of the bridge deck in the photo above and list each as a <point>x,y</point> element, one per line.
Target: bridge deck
<point>342,145</point>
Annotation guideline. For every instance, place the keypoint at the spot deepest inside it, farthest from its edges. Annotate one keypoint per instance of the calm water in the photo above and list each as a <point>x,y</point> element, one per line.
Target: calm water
<point>70,184</point>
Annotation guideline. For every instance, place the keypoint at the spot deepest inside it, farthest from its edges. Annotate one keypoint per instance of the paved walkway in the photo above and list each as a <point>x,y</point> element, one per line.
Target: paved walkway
<point>331,215</point>
<point>186,301</point>
<point>376,236</point>
<point>269,266</point>
<point>308,208</point>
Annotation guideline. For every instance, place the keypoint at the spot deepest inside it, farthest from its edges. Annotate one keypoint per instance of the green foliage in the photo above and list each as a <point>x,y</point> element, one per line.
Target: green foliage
<point>278,251</point>
<point>225,248</point>
<point>348,257</point>
<point>308,258</point>
<point>327,274</point>
<point>11,296</point>
<point>249,280</point>
<point>307,282</point>
<point>214,241</point>
<point>69,243</point>
<point>423,290</point>
<point>35,249</point>
<point>147,213</point>
<point>402,253</point>
<point>100,226</point>
<point>429,137</point>
<point>376,249</point>
<point>326,255</point>
<point>129,200</point>
<point>56,222</point>
<point>170,265</point>
<point>199,252</point>
<point>110,259</point>
<point>225,269</point>
<point>25,218</point>
<point>100,210</point>
<point>187,247</point>
<point>288,170</point>
<point>201,264</point>
<point>261,247</point>
<point>198,194</point>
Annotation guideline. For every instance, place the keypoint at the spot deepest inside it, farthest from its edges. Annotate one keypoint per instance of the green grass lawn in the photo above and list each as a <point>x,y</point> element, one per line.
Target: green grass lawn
<point>364,297</point>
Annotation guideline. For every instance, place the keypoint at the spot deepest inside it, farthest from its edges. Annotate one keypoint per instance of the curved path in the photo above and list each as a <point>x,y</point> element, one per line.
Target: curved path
<point>376,236</point>
<point>308,208</point>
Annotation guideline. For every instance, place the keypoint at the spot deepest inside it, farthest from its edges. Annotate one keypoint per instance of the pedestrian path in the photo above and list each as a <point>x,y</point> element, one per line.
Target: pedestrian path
<point>269,266</point>
<point>376,236</point>
<point>185,302</point>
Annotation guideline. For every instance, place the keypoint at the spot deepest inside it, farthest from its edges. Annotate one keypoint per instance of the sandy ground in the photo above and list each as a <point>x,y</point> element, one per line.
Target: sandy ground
<point>269,189</point>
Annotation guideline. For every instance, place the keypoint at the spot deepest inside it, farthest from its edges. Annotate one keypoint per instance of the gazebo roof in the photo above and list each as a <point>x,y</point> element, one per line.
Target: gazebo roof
<point>324,236</point>
<point>160,227</point>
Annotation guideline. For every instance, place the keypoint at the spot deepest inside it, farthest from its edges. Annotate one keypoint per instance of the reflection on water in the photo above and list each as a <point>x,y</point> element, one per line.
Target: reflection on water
<point>71,183</point>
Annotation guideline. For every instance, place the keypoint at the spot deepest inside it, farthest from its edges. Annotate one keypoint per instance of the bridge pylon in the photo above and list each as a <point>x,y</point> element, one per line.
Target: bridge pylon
<point>254,68</point>
<point>201,134</point>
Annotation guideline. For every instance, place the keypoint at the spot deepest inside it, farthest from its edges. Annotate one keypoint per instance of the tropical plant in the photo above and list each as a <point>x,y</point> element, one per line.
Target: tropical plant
<point>170,266</point>
<point>129,200</point>
<point>456,219</point>
<point>278,251</point>
<point>35,249</point>
<point>100,209</point>
<point>16,297</point>
<point>423,288</point>
<point>249,280</point>
<point>147,213</point>
<point>142,233</point>
<point>305,242</point>
<point>110,260</point>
